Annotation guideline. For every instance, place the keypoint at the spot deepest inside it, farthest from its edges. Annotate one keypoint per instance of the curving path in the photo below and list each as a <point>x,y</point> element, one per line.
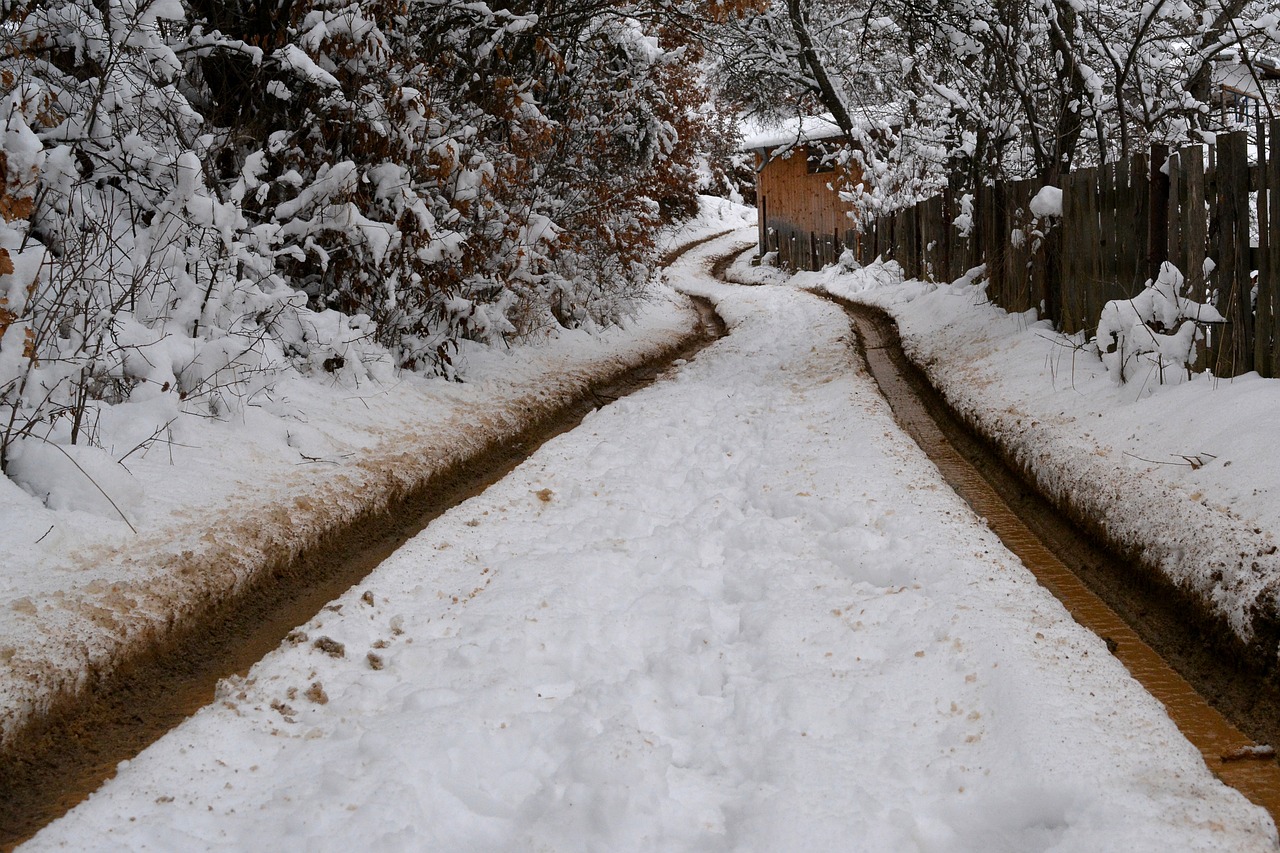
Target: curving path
<point>737,610</point>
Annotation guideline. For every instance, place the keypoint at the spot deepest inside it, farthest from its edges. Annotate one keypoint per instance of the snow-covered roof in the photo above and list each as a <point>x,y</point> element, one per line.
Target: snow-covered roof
<point>812,128</point>
<point>1237,77</point>
<point>1231,70</point>
<point>790,132</point>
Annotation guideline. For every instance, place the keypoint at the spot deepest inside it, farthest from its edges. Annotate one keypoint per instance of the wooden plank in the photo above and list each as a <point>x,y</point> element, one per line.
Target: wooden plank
<point>1197,217</point>
<point>949,236</point>
<point>1009,283</point>
<point>1093,251</point>
<point>1008,252</point>
<point>1159,190</point>
<point>1029,280</point>
<point>1215,291</point>
<point>1264,310</point>
<point>1195,222</point>
<point>1122,227</point>
<point>1235,353</point>
<point>991,245</point>
<point>1175,201</point>
<point>1242,284</point>
<point>982,201</point>
<point>907,242</point>
<point>895,238</point>
<point>1104,266</point>
<point>928,264</point>
<point>1267,328</point>
<point>936,240</point>
<point>1139,247</point>
<point>995,239</point>
<point>1273,244</point>
<point>1016,272</point>
<point>1110,210</point>
<point>1069,255</point>
<point>952,241</point>
<point>1086,250</point>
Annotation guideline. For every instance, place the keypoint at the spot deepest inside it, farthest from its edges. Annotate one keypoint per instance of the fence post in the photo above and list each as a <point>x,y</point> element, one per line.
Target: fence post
<point>1091,250</point>
<point>1158,210</point>
<point>1175,251</point>
<point>1235,355</point>
<point>1264,354</point>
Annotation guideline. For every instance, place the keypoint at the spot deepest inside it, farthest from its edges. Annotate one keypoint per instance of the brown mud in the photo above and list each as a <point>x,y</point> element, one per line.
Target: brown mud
<point>1223,705</point>
<point>58,759</point>
<point>1212,686</point>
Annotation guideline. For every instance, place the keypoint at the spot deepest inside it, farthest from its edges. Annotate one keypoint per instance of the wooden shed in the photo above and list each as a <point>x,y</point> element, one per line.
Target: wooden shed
<point>801,215</point>
<point>1243,89</point>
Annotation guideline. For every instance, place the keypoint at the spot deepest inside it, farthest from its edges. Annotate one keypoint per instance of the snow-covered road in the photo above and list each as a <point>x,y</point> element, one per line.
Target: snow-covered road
<point>736,611</point>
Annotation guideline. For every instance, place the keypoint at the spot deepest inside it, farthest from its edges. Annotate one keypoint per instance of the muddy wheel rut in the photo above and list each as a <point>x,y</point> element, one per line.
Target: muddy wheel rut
<point>1212,687</point>
<point>59,759</point>
<point>1222,705</point>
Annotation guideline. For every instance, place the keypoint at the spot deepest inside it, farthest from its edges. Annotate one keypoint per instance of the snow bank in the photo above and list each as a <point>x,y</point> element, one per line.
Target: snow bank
<point>738,610</point>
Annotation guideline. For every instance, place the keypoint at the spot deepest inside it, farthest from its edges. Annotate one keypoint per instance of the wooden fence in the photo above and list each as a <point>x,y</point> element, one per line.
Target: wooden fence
<point>1119,222</point>
<point>799,249</point>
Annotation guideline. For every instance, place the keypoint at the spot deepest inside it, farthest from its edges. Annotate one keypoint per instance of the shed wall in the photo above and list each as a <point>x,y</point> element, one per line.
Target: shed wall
<point>800,215</point>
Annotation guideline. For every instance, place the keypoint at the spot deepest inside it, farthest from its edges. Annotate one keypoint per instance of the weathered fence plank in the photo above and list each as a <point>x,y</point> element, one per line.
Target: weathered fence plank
<point>1273,242</point>
<point>1264,309</point>
<point>1231,210</point>
<point>1158,192</point>
<point>1175,203</point>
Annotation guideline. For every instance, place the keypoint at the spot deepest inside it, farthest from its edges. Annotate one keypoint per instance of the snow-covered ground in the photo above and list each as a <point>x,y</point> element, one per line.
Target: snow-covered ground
<point>1186,473</point>
<point>738,610</point>
<point>214,501</point>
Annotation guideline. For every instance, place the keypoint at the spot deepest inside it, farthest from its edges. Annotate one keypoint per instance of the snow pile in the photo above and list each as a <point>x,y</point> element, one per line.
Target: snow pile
<point>199,204</point>
<point>736,611</point>
<point>1183,475</point>
<point>1046,202</point>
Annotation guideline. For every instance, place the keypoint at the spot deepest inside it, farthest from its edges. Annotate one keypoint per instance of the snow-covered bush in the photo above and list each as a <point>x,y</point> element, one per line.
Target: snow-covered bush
<point>128,277</point>
<point>1153,333</point>
<point>470,170</point>
<point>198,196</point>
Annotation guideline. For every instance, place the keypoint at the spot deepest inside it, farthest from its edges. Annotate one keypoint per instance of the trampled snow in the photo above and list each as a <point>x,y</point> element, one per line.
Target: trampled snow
<point>738,610</point>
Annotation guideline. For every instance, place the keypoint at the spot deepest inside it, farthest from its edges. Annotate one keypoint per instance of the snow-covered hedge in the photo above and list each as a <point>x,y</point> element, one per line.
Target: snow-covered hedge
<point>197,196</point>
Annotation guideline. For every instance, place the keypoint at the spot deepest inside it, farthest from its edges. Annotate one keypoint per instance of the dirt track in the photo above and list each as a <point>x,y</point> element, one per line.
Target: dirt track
<point>58,760</point>
<point>1183,633</point>
<point>1222,706</point>
<point>63,758</point>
